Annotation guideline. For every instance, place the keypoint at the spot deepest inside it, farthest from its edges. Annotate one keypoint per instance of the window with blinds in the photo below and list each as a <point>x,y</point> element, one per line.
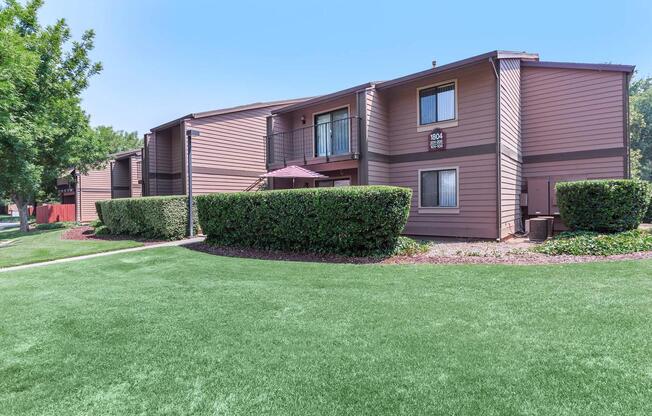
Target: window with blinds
<point>437,104</point>
<point>438,188</point>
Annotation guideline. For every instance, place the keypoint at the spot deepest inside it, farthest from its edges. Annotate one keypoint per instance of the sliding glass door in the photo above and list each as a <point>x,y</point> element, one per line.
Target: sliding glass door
<point>332,133</point>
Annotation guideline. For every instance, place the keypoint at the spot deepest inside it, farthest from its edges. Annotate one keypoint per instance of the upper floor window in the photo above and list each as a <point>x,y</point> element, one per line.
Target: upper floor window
<point>437,104</point>
<point>332,133</point>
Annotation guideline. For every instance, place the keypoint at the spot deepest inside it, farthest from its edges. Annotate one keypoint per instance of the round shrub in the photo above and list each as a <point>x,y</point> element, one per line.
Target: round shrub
<point>356,220</point>
<point>603,205</point>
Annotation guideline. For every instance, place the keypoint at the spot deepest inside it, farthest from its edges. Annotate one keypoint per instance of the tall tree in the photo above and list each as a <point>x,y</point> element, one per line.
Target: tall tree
<point>118,140</point>
<point>640,119</point>
<point>43,129</point>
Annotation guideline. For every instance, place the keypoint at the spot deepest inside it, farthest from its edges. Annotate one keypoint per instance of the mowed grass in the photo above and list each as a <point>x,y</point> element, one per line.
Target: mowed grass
<point>171,331</point>
<point>36,246</point>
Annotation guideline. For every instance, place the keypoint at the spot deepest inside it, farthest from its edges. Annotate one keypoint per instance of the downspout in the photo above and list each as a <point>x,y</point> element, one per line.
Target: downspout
<point>363,159</point>
<point>156,172</point>
<point>628,162</point>
<point>111,178</point>
<point>184,164</point>
<point>498,152</point>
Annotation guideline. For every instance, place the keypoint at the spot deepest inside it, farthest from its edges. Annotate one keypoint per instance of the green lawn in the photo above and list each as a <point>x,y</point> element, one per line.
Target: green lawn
<point>170,331</point>
<point>36,246</point>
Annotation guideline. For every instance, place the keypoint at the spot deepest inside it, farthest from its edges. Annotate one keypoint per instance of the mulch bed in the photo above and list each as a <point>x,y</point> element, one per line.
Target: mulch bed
<point>432,257</point>
<point>442,253</point>
<point>86,232</point>
<point>518,259</point>
<point>280,255</point>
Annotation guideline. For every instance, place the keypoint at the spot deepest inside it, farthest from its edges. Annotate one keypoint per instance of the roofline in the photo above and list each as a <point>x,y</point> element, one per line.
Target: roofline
<point>529,57</point>
<point>227,110</point>
<point>124,154</point>
<point>577,65</point>
<point>323,98</point>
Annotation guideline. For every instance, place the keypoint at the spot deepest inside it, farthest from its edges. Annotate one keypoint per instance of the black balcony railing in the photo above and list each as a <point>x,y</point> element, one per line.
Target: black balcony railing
<point>325,140</point>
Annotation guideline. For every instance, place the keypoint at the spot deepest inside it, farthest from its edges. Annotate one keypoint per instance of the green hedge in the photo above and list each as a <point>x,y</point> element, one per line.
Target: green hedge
<point>603,205</point>
<point>98,209</point>
<point>588,243</point>
<point>160,217</point>
<point>357,220</point>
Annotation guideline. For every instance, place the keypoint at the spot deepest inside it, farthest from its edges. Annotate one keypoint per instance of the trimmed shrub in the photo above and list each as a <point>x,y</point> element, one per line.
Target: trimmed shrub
<point>98,209</point>
<point>588,243</point>
<point>102,230</point>
<point>160,217</point>
<point>357,220</point>
<point>603,205</point>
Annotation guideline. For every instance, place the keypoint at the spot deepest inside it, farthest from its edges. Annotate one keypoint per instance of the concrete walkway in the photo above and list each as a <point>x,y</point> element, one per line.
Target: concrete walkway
<point>4,225</point>
<point>106,253</point>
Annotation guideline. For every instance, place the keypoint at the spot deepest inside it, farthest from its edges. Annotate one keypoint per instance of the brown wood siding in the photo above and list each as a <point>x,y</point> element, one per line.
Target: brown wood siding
<point>379,173</point>
<point>95,186</point>
<point>229,154</point>
<point>177,150</point>
<point>566,110</point>
<point>152,165</point>
<point>377,125</point>
<point>571,116</point>
<point>477,198</point>
<point>136,177</point>
<point>166,162</point>
<point>596,168</point>
<point>476,104</point>
<point>121,179</point>
<point>510,143</point>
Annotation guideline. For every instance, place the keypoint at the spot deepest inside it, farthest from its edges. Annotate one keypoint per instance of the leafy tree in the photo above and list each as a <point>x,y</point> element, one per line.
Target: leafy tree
<point>43,129</point>
<point>640,119</point>
<point>118,140</point>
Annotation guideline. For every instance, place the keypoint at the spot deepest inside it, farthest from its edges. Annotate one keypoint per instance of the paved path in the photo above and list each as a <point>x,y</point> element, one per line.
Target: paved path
<point>4,225</point>
<point>107,253</point>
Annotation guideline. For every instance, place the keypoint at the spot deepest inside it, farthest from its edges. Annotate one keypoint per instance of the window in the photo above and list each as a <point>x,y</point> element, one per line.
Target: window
<point>333,183</point>
<point>332,133</point>
<point>437,104</point>
<point>438,188</point>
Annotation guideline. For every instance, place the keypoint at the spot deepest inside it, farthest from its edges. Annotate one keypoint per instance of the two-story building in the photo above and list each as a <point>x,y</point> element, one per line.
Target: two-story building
<point>480,141</point>
<point>121,177</point>
<point>227,156</point>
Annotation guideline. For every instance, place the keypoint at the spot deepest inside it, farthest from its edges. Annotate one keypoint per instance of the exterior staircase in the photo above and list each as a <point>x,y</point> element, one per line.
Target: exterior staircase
<point>258,185</point>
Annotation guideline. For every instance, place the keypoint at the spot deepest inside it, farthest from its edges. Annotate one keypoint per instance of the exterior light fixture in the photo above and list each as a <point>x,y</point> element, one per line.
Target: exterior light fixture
<point>189,135</point>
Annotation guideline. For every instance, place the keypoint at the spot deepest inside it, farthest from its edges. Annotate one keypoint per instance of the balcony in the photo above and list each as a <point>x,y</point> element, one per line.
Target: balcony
<point>323,142</point>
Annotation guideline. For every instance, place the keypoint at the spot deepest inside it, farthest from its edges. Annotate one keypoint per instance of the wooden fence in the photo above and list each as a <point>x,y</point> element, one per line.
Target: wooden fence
<point>46,214</point>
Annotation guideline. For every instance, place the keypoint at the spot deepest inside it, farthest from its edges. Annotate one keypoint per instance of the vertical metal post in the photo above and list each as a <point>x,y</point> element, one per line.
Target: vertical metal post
<point>191,230</point>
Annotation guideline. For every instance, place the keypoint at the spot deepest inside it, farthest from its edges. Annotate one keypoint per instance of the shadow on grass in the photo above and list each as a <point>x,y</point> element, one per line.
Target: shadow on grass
<point>15,233</point>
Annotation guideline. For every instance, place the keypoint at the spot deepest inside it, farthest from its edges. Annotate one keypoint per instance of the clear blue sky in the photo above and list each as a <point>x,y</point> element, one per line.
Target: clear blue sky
<point>166,58</point>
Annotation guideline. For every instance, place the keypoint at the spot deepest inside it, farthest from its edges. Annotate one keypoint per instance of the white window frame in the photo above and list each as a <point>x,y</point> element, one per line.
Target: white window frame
<point>440,210</point>
<point>438,124</point>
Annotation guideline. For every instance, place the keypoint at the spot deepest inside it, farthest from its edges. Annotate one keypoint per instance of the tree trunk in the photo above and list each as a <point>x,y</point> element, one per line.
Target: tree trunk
<point>21,203</point>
